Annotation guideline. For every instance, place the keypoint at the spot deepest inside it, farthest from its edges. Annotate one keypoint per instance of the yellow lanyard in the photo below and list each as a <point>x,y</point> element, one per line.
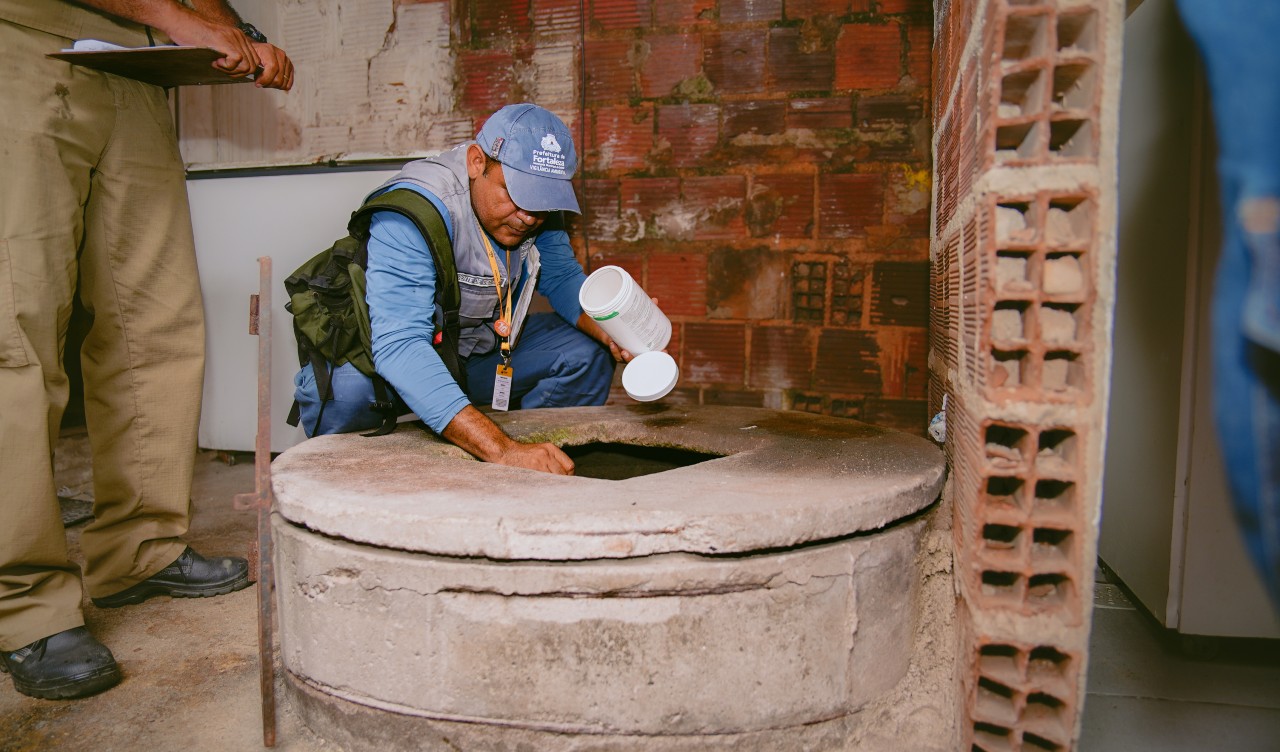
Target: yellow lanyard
<point>503,325</point>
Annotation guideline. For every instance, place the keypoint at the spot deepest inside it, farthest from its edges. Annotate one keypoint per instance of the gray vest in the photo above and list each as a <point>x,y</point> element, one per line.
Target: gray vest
<point>446,177</point>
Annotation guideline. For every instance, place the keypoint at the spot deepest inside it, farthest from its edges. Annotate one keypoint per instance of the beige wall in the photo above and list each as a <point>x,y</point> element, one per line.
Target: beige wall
<point>1160,109</point>
<point>375,79</point>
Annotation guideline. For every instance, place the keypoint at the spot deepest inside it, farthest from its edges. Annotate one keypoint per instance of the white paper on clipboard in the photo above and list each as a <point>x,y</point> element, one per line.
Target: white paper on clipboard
<point>532,265</point>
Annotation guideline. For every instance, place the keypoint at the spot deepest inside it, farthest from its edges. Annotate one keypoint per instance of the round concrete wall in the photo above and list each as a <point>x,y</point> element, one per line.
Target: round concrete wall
<point>769,591</point>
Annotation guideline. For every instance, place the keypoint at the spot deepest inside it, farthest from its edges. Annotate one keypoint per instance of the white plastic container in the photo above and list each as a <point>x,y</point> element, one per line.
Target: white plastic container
<point>613,299</point>
<point>621,308</point>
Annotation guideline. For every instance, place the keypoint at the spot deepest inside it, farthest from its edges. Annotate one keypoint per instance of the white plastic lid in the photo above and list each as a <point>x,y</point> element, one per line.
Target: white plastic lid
<point>650,376</point>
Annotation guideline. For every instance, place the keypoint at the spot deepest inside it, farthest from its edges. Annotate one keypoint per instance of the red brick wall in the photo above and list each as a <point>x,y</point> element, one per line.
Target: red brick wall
<point>760,166</point>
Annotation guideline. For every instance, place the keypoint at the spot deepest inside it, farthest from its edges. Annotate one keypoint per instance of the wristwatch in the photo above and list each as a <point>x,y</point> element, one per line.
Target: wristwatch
<point>252,32</point>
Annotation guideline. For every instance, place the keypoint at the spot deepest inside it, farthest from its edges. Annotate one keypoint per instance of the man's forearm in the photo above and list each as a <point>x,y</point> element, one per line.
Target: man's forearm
<point>589,327</point>
<point>160,14</point>
<point>217,10</point>
<point>149,11</point>
<point>164,14</point>
<point>482,438</point>
<point>207,23</point>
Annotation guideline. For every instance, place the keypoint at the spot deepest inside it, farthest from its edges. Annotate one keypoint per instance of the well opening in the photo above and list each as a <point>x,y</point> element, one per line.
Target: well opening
<point>608,460</point>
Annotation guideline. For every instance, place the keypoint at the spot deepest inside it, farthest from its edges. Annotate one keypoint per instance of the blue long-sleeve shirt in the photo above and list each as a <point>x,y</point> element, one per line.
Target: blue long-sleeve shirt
<point>401,289</point>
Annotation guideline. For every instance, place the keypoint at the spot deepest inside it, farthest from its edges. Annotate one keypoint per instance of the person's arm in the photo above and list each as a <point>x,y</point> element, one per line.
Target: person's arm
<point>185,26</point>
<point>276,67</point>
<point>482,438</point>
<point>589,327</point>
<point>560,281</point>
<point>217,10</point>
<point>212,24</point>
<point>401,282</point>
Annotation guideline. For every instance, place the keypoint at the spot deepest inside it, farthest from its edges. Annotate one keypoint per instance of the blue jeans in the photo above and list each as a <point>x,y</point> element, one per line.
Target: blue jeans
<point>555,366</point>
<point>1238,41</point>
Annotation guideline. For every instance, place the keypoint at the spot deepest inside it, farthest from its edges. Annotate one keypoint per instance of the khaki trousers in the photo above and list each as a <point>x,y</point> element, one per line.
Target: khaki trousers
<point>91,189</point>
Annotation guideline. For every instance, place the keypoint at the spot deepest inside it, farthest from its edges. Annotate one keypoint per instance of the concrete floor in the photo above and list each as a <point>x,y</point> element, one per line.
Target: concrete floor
<point>191,671</point>
<point>1145,695</point>
<point>190,665</point>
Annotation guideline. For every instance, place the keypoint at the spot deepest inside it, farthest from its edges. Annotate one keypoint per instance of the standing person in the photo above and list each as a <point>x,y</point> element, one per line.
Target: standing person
<point>499,195</point>
<point>1237,40</point>
<point>93,194</point>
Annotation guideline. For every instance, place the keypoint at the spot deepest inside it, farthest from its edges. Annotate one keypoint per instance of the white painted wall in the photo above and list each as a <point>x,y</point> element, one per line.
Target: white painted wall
<point>1157,112</point>
<point>1167,526</point>
<point>237,219</point>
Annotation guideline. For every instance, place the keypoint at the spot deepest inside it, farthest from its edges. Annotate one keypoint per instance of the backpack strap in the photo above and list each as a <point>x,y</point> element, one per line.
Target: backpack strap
<point>383,402</point>
<point>322,370</point>
<point>426,217</point>
<point>384,395</point>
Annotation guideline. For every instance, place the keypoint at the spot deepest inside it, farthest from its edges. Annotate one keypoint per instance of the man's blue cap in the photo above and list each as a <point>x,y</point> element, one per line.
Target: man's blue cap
<point>536,145</point>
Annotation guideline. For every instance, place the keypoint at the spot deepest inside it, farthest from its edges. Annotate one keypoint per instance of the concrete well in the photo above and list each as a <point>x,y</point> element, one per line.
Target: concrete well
<point>758,598</point>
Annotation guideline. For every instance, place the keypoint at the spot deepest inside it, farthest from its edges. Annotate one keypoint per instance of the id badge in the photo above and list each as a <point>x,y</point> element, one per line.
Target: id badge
<point>502,388</point>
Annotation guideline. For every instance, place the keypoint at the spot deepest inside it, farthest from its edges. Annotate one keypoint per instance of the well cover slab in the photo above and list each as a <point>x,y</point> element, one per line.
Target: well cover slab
<point>781,479</point>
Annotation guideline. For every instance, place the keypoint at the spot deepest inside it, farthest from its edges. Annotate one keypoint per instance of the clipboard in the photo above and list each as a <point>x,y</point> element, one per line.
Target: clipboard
<point>165,66</point>
<point>532,265</point>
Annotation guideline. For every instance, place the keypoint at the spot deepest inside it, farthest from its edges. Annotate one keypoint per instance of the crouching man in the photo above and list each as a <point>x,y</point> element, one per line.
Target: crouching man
<point>501,196</point>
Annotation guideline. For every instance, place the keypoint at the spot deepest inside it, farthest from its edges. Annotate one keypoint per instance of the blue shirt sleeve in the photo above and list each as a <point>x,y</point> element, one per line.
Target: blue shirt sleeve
<point>562,275</point>
<point>401,287</point>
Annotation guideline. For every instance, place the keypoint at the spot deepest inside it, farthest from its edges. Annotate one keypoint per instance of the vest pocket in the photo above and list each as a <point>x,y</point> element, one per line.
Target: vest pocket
<point>477,302</point>
<point>13,353</point>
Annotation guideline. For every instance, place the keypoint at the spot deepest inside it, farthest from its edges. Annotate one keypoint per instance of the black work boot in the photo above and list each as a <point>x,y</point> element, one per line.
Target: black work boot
<point>190,576</point>
<point>63,666</point>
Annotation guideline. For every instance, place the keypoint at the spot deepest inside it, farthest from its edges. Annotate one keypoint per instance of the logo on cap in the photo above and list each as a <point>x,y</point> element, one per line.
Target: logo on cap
<point>548,159</point>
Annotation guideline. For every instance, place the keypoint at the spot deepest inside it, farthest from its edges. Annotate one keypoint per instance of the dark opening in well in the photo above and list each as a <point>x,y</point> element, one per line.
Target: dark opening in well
<point>613,461</point>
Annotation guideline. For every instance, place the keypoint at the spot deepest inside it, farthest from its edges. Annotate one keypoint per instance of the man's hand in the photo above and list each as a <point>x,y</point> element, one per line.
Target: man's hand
<point>239,58</point>
<point>545,458</point>
<point>589,327</point>
<point>212,24</point>
<point>618,353</point>
<point>471,431</point>
<point>276,68</point>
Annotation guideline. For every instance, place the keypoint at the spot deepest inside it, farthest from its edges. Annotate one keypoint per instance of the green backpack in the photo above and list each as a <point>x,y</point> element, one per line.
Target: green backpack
<point>331,317</point>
